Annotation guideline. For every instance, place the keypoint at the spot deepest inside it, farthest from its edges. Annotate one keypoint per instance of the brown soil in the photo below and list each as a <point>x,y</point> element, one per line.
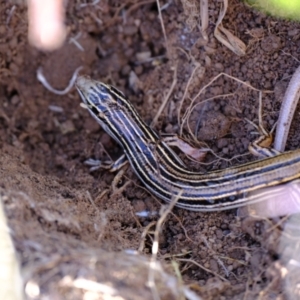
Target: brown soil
<point>64,219</point>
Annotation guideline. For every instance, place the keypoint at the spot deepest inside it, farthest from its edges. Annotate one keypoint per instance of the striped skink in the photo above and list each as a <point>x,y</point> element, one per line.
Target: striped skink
<point>162,171</point>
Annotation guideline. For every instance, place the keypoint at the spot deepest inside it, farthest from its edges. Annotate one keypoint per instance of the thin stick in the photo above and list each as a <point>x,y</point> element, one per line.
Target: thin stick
<point>135,6</point>
<point>155,245</point>
<point>226,37</point>
<point>163,26</point>
<point>202,267</point>
<point>165,101</point>
<point>75,42</point>
<point>287,110</point>
<point>41,78</point>
<point>94,3</point>
<point>10,14</point>
<point>144,234</point>
<point>185,91</point>
<point>204,18</point>
<point>188,111</point>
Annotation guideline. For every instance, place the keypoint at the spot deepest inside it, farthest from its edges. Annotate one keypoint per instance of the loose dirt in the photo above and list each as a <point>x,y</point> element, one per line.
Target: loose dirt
<point>66,222</point>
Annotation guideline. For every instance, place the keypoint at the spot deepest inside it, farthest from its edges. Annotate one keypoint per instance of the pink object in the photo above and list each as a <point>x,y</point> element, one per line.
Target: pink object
<point>275,201</point>
<point>46,24</point>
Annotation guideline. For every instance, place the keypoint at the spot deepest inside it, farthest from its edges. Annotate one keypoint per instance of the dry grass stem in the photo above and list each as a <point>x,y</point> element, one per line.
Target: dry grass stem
<point>226,37</point>
<point>204,18</point>
<point>202,267</point>
<point>189,109</point>
<point>165,101</point>
<point>163,27</point>
<point>197,66</point>
<point>144,234</point>
<point>153,261</point>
